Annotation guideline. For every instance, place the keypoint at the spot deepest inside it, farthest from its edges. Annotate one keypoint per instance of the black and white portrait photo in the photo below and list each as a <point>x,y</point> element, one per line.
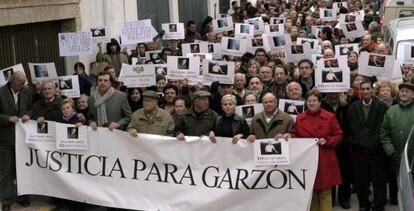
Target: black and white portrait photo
<point>183,63</point>
<point>98,32</point>
<point>297,49</point>
<point>293,109</point>
<point>7,74</point>
<point>195,48</point>
<point>172,27</point>
<point>73,133</point>
<point>159,70</point>
<point>211,48</point>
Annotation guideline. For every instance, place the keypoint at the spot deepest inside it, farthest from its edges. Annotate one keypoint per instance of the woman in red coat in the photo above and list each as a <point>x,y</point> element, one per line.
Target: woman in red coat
<point>317,123</point>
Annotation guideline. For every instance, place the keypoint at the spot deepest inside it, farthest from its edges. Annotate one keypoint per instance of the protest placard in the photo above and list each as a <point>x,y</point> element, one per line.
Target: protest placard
<point>180,67</point>
<point>201,47</point>
<point>139,75</point>
<point>244,30</point>
<point>277,42</point>
<point>39,132</point>
<point>133,32</point>
<point>327,14</point>
<point>221,71</point>
<point>254,43</point>
<point>332,75</point>
<point>271,152</point>
<point>100,34</point>
<point>173,31</point>
<point>42,71</point>
<point>71,137</point>
<point>296,52</point>
<point>223,24</point>
<point>274,29</point>
<point>257,23</point>
<point>69,86</point>
<point>75,43</point>
<point>248,111</point>
<point>345,49</point>
<point>233,46</point>
<point>379,65</point>
<point>353,29</point>
<point>6,73</point>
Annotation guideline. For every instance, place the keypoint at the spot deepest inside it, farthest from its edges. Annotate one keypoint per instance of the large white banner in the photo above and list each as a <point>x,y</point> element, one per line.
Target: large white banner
<point>159,173</point>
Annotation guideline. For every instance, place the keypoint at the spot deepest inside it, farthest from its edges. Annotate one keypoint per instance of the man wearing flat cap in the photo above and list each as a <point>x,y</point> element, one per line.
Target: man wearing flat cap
<point>397,124</point>
<point>150,118</point>
<point>198,120</point>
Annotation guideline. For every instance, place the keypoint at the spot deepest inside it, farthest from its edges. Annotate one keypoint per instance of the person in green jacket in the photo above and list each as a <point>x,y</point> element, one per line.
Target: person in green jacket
<point>151,119</point>
<point>397,123</point>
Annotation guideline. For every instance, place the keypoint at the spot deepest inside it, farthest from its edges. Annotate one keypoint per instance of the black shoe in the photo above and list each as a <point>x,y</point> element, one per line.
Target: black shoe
<point>24,203</point>
<point>6,207</point>
<point>345,205</point>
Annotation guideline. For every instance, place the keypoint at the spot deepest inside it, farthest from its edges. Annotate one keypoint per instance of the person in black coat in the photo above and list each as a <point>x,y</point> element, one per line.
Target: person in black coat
<point>230,124</point>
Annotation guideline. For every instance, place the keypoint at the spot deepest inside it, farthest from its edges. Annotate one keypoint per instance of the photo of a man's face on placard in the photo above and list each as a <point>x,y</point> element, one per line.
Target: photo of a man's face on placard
<point>42,128</point>
<point>329,76</point>
<point>160,70</point>
<point>183,63</point>
<point>297,49</point>
<point>376,61</point>
<point>270,148</point>
<point>351,27</point>
<point>215,68</point>
<point>345,50</point>
<point>211,48</point>
<point>274,28</point>
<point>73,133</point>
<point>350,18</point>
<point>233,44</point>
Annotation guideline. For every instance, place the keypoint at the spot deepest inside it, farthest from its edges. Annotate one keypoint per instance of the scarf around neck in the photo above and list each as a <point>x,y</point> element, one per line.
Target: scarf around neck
<point>100,105</point>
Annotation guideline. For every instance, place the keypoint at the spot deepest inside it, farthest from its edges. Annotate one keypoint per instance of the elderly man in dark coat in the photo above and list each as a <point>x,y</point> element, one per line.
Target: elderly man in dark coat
<point>15,103</point>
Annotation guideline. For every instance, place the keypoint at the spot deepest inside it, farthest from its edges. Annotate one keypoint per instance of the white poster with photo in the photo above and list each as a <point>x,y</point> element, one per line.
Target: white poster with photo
<point>269,152</point>
<point>69,86</point>
<point>42,71</point>
<point>327,14</point>
<point>153,55</point>
<point>292,107</point>
<point>248,111</point>
<point>36,132</point>
<point>244,30</point>
<point>378,65</point>
<point>100,34</point>
<point>221,71</point>
<point>173,31</point>
<point>71,137</point>
<point>296,52</point>
<point>75,43</point>
<point>345,49</point>
<point>201,47</point>
<point>180,67</point>
<point>223,24</point>
<point>276,43</point>
<point>254,43</point>
<point>138,75</point>
<point>274,29</point>
<point>277,20</point>
<point>6,73</point>
<point>133,32</point>
<point>316,57</point>
<point>408,54</point>
<point>233,46</point>
<point>353,30</point>
<point>332,75</point>
<point>257,23</point>
<point>314,43</point>
<point>348,18</point>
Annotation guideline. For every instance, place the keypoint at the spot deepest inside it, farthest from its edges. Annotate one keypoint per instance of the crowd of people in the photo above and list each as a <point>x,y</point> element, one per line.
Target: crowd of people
<point>360,133</point>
